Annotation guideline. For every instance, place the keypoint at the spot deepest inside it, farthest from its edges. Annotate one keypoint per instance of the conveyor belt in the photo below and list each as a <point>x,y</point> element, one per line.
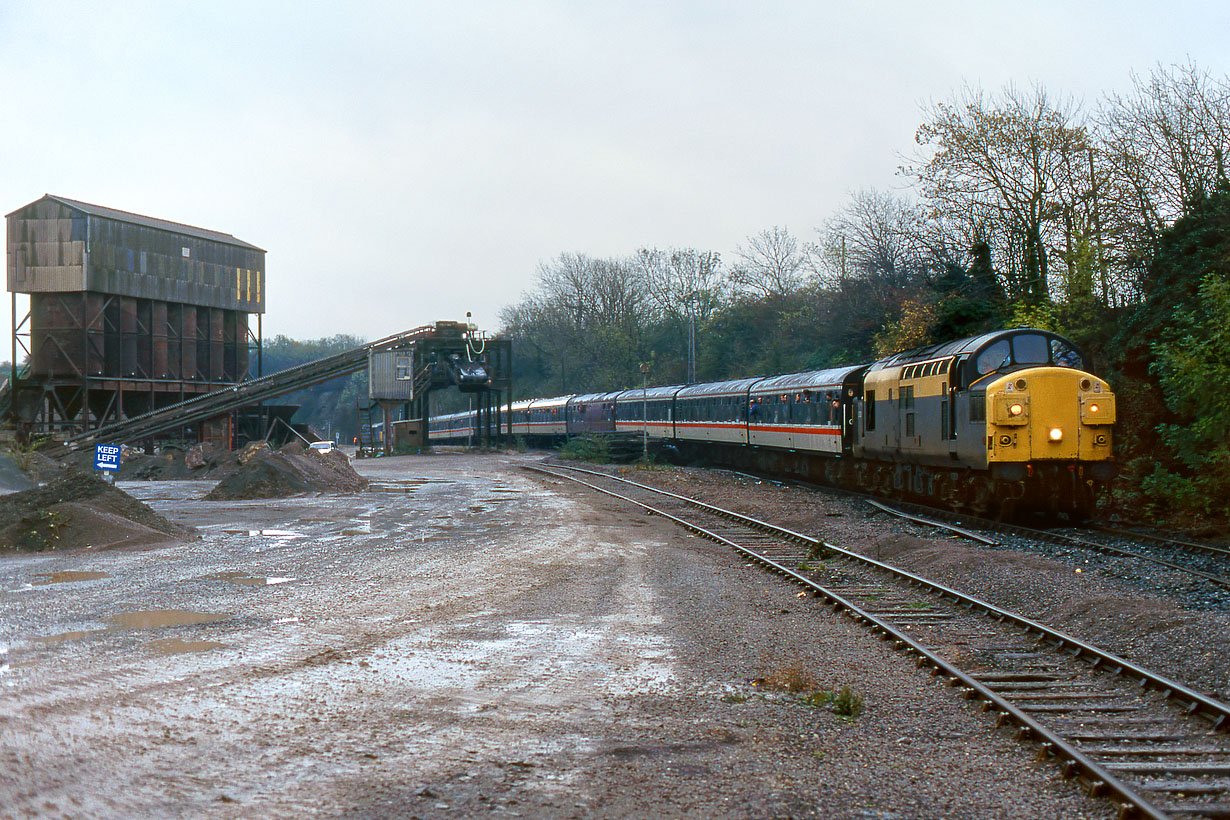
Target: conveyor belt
<point>240,395</point>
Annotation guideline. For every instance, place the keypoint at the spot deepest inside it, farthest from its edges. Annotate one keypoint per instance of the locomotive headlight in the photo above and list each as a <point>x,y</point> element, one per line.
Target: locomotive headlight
<point>1093,408</point>
<point>1016,410</point>
<point>1056,434</point>
<point>1101,440</point>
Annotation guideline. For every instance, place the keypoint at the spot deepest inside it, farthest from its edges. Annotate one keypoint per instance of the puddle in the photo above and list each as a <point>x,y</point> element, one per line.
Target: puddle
<point>244,579</point>
<point>158,618</point>
<point>176,646</point>
<point>145,619</point>
<point>274,533</point>
<point>67,636</point>
<point>403,485</point>
<point>68,577</point>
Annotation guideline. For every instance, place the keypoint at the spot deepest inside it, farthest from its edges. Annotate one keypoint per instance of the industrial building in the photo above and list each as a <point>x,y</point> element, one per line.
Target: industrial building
<point>127,314</point>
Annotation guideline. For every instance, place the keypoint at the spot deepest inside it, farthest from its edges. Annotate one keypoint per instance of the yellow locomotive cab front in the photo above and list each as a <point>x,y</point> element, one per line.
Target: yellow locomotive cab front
<point>1049,414</point>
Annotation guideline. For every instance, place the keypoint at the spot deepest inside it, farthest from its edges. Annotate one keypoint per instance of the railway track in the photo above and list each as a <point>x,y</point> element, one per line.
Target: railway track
<point>1205,562</point>
<point>1158,749</point>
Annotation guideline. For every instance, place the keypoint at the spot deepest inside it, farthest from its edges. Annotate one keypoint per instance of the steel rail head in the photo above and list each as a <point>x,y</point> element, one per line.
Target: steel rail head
<point>970,534</point>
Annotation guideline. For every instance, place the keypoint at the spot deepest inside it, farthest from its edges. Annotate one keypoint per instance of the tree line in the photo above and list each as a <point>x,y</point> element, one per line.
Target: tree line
<point>1108,223</point>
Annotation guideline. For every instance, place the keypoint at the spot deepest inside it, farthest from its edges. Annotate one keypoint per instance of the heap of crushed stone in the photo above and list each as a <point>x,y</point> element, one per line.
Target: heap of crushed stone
<point>171,462</point>
<point>293,470</point>
<point>78,510</point>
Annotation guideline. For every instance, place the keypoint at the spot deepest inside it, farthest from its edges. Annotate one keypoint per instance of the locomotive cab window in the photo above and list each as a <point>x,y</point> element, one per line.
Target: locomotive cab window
<point>1029,348</point>
<point>994,357</point>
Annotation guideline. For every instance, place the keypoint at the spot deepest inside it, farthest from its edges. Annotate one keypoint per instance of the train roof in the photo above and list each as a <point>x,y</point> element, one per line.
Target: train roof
<point>726,388</point>
<point>555,401</point>
<point>652,393</point>
<point>590,398</point>
<point>963,347</point>
<point>833,377</point>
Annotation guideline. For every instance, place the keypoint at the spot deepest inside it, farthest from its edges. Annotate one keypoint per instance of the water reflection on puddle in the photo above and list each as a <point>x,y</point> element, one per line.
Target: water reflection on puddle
<point>244,579</point>
<point>403,485</point>
<point>142,619</point>
<point>157,618</point>
<point>68,577</point>
<point>177,646</point>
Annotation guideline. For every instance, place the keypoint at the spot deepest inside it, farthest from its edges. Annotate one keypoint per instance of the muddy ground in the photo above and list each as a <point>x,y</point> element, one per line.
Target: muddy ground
<point>461,639</point>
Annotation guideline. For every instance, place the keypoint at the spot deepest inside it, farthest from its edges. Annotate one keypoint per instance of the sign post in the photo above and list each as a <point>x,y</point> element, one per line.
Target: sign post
<point>107,459</point>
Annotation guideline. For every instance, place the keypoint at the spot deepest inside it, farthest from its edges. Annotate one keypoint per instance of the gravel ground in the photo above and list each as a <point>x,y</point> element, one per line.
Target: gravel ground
<point>464,639</point>
<point>1104,600</point>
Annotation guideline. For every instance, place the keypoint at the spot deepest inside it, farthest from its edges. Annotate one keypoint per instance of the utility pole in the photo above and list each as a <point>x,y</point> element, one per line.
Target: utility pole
<point>645,409</point>
<point>691,297</point>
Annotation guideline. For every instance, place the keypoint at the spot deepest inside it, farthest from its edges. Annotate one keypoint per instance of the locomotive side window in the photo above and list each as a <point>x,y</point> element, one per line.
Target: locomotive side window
<point>1064,356</point>
<point>871,409</point>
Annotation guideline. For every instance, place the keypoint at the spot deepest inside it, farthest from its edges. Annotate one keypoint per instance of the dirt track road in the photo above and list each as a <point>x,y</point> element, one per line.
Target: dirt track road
<point>461,640</point>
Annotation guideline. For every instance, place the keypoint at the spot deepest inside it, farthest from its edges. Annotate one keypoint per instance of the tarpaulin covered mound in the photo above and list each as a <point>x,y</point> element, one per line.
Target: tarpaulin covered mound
<point>286,472</point>
<point>79,510</point>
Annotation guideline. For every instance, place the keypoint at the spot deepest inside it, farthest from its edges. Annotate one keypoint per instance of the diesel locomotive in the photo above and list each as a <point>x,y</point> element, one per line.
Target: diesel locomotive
<point>1007,421</point>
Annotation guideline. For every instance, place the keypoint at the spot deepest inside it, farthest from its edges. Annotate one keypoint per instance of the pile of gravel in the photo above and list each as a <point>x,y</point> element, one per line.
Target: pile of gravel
<point>78,510</point>
<point>293,470</point>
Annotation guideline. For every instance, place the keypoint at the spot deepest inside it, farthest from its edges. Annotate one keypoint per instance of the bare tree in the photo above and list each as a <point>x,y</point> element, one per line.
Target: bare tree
<point>680,282</point>
<point>1004,162</point>
<point>1162,147</point>
<point>771,264</point>
<point>877,235</point>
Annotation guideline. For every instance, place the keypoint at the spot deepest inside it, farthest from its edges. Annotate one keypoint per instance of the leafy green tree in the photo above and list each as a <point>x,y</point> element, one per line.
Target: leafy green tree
<point>1194,371</point>
<point>1175,351</point>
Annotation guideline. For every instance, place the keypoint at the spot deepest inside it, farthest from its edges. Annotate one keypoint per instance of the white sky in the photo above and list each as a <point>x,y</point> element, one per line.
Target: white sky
<point>404,162</point>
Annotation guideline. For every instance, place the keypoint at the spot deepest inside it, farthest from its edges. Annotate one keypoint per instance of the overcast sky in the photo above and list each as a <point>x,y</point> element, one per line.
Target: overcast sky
<point>406,162</point>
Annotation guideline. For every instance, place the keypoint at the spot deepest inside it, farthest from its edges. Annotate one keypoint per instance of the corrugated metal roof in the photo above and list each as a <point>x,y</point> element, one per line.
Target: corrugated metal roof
<point>147,221</point>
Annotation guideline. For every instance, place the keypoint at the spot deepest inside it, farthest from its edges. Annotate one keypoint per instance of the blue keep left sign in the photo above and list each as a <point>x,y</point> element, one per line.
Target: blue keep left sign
<point>106,457</point>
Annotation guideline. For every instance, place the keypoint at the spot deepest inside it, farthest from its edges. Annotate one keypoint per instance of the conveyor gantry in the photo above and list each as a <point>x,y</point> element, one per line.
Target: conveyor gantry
<point>240,395</point>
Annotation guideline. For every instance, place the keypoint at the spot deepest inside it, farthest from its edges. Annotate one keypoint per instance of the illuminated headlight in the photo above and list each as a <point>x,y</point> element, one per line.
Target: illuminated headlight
<point>1056,434</point>
<point>1016,410</point>
<point>1093,408</point>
